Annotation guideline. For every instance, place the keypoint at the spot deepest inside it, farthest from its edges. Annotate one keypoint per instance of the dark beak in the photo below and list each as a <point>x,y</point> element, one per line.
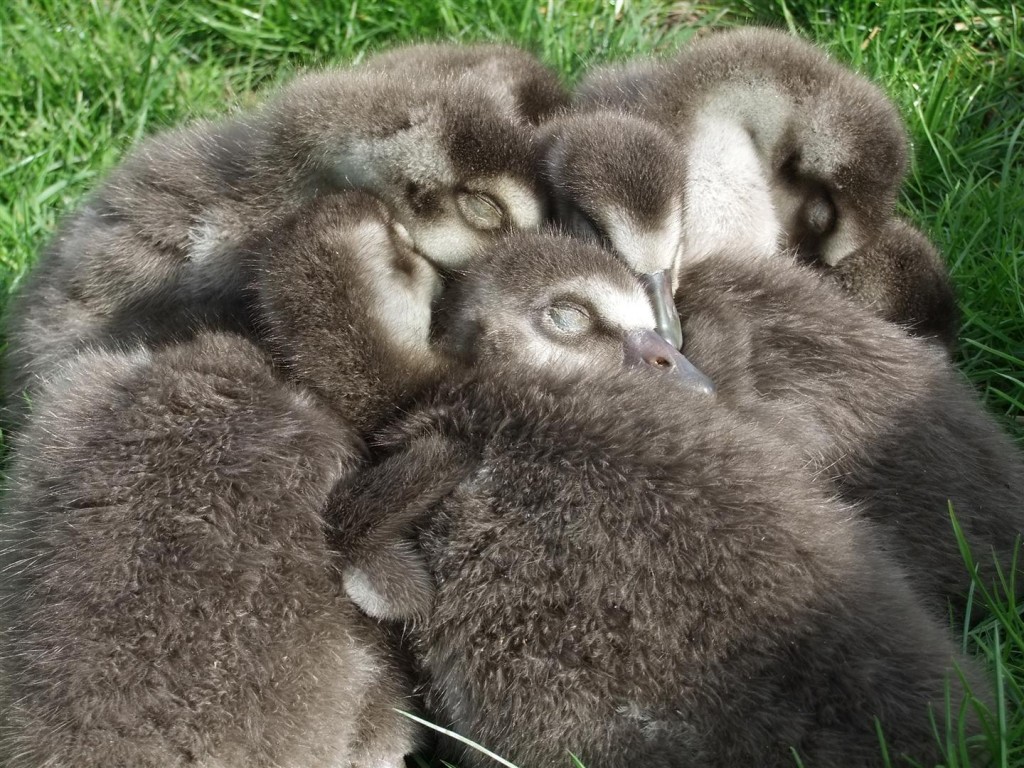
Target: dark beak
<point>647,348</point>
<point>666,317</point>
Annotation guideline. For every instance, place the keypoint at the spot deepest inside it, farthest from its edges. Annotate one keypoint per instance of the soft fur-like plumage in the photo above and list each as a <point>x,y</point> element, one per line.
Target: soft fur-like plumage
<point>153,254</point>
<point>618,179</point>
<point>902,277</point>
<point>636,573</point>
<point>537,90</point>
<point>828,145</point>
<point>646,579</point>
<point>885,418</point>
<point>169,596</point>
<point>554,303</point>
<point>172,595</point>
<point>780,149</point>
<point>344,304</point>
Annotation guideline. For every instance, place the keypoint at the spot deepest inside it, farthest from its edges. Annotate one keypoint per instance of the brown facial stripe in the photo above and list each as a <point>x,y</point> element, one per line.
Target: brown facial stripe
<point>424,202</point>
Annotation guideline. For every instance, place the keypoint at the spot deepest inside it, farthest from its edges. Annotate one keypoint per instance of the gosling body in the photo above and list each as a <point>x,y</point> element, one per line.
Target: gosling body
<point>885,419</point>
<point>154,254</point>
<point>629,569</point>
<point>172,588</point>
<point>169,596</point>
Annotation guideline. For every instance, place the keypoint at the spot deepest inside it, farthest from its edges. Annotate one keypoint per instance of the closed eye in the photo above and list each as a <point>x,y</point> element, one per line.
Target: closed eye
<point>581,225</point>
<point>481,211</point>
<point>569,318</point>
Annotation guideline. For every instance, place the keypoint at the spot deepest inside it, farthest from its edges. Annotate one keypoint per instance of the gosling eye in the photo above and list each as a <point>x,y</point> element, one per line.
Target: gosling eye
<point>582,226</point>
<point>480,210</point>
<point>569,318</point>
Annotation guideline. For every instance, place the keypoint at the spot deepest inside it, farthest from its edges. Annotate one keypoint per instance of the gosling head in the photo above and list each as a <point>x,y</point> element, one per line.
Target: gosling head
<point>454,161</point>
<point>561,307</point>
<point>345,304</point>
<point>832,144</point>
<point>837,170</point>
<point>618,179</point>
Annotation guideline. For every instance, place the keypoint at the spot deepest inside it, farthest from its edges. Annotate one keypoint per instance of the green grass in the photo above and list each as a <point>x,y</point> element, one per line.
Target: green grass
<point>80,82</point>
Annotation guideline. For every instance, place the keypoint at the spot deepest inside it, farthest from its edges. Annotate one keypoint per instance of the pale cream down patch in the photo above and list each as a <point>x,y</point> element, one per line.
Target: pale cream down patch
<point>450,242</point>
<point>728,200</point>
<point>208,241</point>
<point>519,201</point>
<point>362,592</point>
<point>401,302</point>
<point>644,250</point>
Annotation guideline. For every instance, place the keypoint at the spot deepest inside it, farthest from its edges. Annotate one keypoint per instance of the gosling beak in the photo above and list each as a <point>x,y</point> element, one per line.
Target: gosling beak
<point>666,317</point>
<point>647,348</point>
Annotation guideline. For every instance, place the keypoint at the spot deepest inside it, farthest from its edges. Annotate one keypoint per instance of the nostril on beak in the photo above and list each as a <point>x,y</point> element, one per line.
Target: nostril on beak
<point>647,348</point>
